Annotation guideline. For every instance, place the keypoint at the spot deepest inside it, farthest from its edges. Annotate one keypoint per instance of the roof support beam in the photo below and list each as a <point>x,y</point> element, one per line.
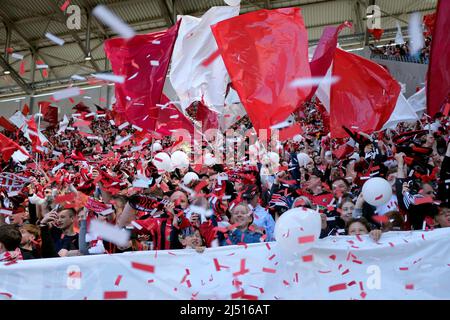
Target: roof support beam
<point>167,12</point>
<point>12,26</point>
<point>76,38</point>
<point>267,4</point>
<point>366,33</point>
<point>16,77</point>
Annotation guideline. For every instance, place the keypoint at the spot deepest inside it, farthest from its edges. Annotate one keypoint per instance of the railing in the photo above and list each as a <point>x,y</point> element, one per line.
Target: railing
<point>410,59</point>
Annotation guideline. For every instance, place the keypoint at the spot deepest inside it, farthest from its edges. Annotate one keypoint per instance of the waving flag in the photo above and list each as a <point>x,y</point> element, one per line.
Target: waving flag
<point>438,87</point>
<point>143,61</point>
<point>264,51</point>
<point>191,79</point>
<point>324,52</point>
<point>8,147</point>
<point>364,98</point>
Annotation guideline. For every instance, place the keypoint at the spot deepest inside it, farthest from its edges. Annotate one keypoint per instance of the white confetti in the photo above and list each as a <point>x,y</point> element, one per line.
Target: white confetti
<point>137,128</point>
<point>17,56</point>
<point>314,81</point>
<point>54,38</point>
<point>109,232</point>
<point>42,66</point>
<point>154,63</point>
<point>133,76</point>
<point>109,77</point>
<point>415,33</point>
<point>156,42</point>
<point>102,13</point>
<point>77,77</point>
<point>124,125</point>
<point>66,93</point>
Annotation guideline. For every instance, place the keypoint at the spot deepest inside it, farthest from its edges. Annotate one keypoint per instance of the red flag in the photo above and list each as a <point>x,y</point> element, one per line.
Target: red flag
<point>364,97</point>
<point>376,33</point>
<point>323,55</point>
<point>207,117</point>
<point>81,107</point>
<point>26,110</point>
<point>170,118</point>
<point>143,61</point>
<point>264,51</point>
<point>8,147</point>
<point>5,123</point>
<point>50,113</point>
<point>438,86</point>
<point>33,133</point>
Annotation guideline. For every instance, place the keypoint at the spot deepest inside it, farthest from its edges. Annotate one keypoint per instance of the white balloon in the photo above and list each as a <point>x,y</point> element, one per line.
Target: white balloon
<point>179,159</point>
<point>232,3</point>
<point>156,147</point>
<point>377,191</point>
<point>189,177</point>
<point>209,160</point>
<point>303,159</point>
<point>162,162</point>
<point>297,138</point>
<point>297,230</point>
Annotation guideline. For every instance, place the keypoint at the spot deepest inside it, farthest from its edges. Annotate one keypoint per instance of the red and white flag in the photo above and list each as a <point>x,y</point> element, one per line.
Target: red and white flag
<point>192,78</point>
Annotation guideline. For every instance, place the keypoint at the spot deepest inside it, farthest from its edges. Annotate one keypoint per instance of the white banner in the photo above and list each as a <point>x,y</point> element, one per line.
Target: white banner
<point>403,265</point>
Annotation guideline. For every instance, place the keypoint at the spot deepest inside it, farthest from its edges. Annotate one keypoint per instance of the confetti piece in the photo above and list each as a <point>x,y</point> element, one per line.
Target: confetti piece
<point>249,297</point>
<point>285,282</point>
<point>237,295</point>
<point>403,268</point>
<point>409,287</point>
<point>41,66</point>
<point>54,39</point>
<point>359,238</point>
<point>379,197</point>
<point>345,271</point>
<point>22,68</point>
<point>6,294</point>
<point>143,267</point>
<point>332,257</point>
<point>110,232</point>
<point>328,271</point>
<point>268,246</point>
<point>306,239</point>
<point>416,33</point>
<point>119,277</point>
<point>110,295</point>
<point>109,77</point>
<point>308,258</point>
<point>351,283</point>
<point>211,58</point>
<point>64,5</point>
<point>154,63</point>
<point>133,76</point>
<point>357,261</point>
<point>313,81</point>
<point>102,13</point>
<point>269,270</point>
<point>271,257</point>
<point>363,295</point>
<point>391,244</point>
<point>17,56</point>
<point>337,287</point>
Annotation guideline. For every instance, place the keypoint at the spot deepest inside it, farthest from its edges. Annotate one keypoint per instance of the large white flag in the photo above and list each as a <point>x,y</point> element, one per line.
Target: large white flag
<point>403,112</point>
<point>195,43</point>
<point>418,101</point>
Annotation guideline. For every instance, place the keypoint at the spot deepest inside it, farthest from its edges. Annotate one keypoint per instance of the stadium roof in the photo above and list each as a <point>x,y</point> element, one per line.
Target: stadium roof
<point>24,24</point>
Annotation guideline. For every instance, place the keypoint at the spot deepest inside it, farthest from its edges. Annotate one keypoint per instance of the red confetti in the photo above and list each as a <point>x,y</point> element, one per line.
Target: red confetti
<point>361,286</point>
<point>423,236</point>
<point>268,246</point>
<point>237,295</point>
<point>271,257</point>
<point>65,5</point>
<point>143,267</point>
<point>268,270</point>
<point>188,282</point>
<point>249,297</point>
<point>109,295</point>
<point>332,257</point>
<point>409,287</point>
<point>306,239</point>
<point>211,58</point>
<point>308,258</point>
<point>379,197</point>
<point>359,238</point>
<point>285,282</point>
<point>242,271</point>
<point>357,261</point>
<point>296,277</point>
<point>337,287</point>
<point>391,244</point>
<point>119,277</point>
<point>351,283</point>
<point>363,294</point>
<point>404,268</point>
<point>6,294</point>
<point>324,271</point>
<point>150,281</point>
